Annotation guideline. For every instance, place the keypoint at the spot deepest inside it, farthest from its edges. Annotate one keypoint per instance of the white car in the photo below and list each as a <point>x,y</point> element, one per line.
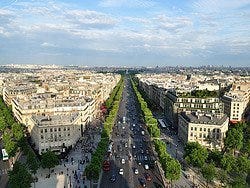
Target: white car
<point>123,127</point>
<point>123,161</point>
<point>136,171</point>
<point>133,146</point>
<point>133,125</point>
<point>146,166</point>
<point>121,171</point>
<point>142,132</point>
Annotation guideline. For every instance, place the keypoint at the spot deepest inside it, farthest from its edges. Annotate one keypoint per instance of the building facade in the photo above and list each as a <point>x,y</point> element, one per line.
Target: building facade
<point>209,130</point>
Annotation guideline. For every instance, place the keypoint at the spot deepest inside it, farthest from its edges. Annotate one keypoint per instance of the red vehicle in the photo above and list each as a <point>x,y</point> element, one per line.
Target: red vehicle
<point>106,165</point>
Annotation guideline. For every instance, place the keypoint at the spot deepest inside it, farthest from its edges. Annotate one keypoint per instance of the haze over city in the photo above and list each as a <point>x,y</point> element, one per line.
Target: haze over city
<point>125,32</point>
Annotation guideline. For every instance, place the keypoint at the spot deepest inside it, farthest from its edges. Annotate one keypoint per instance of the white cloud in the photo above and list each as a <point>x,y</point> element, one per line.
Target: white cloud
<point>47,44</point>
<point>210,6</point>
<point>90,19</point>
<point>127,3</point>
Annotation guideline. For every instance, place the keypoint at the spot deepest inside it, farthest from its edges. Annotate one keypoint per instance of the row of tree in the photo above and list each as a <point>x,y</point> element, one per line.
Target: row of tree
<point>171,166</point>
<point>218,164</point>
<point>12,132</point>
<point>93,169</point>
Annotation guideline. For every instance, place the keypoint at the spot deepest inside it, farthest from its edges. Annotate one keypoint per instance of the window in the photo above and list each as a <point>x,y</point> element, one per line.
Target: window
<point>204,129</point>
<point>200,129</point>
<point>51,130</point>
<point>238,104</point>
<point>191,128</point>
<point>200,135</point>
<point>68,128</point>
<point>41,130</point>
<point>41,136</point>
<point>204,135</point>
<point>208,129</point>
<point>191,134</point>
<point>195,129</point>
<point>45,130</point>
<point>55,129</point>
<point>64,129</point>
<point>68,134</point>
<point>59,129</point>
<point>218,130</point>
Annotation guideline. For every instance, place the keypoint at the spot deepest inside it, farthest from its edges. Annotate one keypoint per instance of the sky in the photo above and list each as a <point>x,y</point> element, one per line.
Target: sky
<point>125,32</point>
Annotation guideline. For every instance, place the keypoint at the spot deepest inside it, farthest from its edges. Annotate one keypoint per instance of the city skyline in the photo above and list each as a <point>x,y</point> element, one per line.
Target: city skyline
<point>125,32</point>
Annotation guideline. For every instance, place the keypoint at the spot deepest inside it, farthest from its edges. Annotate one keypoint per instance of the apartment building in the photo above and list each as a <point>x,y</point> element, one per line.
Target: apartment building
<point>236,101</point>
<point>56,132</point>
<point>56,106</point>
<point>51,104</point>
<point>177,103</point>
<point>207,129</point>
<point>12,91</point>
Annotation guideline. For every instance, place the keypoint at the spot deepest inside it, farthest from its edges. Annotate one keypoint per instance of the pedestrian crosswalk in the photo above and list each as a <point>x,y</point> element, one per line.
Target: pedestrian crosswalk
<point>144,158</point>
<point>138,158</point>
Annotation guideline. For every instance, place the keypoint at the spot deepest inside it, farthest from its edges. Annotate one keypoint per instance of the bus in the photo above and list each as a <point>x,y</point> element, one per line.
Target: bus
<point>161,123</point>
<point>5,155</point>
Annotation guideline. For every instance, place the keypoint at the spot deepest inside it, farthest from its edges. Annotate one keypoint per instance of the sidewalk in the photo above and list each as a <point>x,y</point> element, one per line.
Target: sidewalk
<point>70,174</point>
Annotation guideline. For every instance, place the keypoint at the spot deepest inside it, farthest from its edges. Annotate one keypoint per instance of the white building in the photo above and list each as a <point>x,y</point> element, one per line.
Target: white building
<point>207,129</point>
<point>56,132</point>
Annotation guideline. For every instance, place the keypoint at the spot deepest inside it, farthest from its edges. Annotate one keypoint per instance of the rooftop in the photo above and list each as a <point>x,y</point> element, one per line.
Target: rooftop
<point>204,118</point>
<point>55,120</point>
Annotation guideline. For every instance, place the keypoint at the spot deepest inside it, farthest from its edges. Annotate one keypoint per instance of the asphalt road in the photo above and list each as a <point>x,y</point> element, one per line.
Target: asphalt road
<point>131,142</point>
<point>4,167</point>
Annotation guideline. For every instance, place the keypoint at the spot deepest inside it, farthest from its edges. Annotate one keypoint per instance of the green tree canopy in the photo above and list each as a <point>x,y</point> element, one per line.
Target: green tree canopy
<point>228,162</point>
<point>19,177</point>
<point>32,162</point>
<point>172,169</point>
<point>234,139</point>
<point>195,154</point>
<point>208,171</point>
<point>49,160</point>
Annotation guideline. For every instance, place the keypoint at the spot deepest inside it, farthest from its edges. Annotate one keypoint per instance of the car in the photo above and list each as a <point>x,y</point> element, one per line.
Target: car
<point>133,146</point>
<point>142,182</point>
<point>121,171</point>
<point>146,166</point>
<point>136,171</point>
<point>123,127</point>
<point>142,151</point>
<point>112,178</point>
<point>145,158</point>
<point>126,145</point>
<point>148,177</point>
<point>132,129</point>
<point>133,125</point>
<point>123,161</point>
